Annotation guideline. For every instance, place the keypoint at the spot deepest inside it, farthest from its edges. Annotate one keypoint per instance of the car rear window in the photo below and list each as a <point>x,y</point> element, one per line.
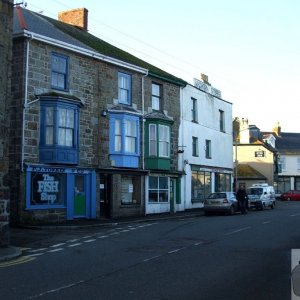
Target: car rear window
<point>217,196</point>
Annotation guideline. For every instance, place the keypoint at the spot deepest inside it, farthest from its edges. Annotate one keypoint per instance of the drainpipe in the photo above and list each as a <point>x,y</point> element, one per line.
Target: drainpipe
<point>143,136</point>
<point>25,103</point>
<point>143,120</point>
<point>183,166</point>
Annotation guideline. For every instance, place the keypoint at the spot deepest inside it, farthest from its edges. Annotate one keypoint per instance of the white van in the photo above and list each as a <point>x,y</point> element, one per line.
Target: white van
<point>261,196</point>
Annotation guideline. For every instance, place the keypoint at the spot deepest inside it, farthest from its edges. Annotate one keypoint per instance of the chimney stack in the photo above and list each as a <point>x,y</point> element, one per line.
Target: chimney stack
<point>77,17</point>
<point>277,129</point>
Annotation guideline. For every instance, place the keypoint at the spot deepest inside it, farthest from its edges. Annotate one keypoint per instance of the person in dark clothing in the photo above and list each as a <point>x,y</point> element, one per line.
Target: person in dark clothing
<point>242,199</point>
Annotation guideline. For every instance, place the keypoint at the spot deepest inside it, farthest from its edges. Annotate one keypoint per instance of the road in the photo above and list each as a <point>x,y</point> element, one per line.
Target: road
<point>216,257</point>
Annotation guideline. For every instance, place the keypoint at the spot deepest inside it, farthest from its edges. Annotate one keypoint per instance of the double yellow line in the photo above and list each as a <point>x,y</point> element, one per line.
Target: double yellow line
<point>17,261</point>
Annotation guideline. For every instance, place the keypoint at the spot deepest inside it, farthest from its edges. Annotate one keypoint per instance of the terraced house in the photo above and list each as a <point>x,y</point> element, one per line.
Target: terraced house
<point>94,130</point>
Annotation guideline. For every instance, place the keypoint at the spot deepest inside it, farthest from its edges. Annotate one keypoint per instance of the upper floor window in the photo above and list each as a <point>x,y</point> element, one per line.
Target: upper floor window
<point>164,141</point>
<point>282,164</point>
<point>195,146</point>
<point>156,96</point>
<point>124,88</point>
<point>59,71</point>
<point>124,134</point>
<point>59,132</point>
<point>207,148</point>
<point>222,121</point>
<point>194,110</point>
<point>159,140</point>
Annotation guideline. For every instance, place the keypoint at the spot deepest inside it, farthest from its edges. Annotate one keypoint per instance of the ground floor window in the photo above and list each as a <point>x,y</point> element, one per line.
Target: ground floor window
<point>283,185</point>
<point>222,182</point>
<point>47,189</point>
<point>201,185</point>
<point>130,189</point>
<point>158,189</point>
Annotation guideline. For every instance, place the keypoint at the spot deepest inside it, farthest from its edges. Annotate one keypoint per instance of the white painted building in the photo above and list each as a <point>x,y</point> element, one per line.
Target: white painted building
<point>205,140</point>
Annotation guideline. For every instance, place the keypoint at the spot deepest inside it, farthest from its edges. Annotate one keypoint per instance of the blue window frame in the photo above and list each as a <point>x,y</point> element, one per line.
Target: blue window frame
<point>59,132</point>
<point>124,142</point>
<point>124,88</point>
<point>59,72</point>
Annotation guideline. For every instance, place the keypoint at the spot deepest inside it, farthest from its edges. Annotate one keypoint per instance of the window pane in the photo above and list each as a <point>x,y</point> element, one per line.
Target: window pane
<point>49,135</point>
<point>163,182</point>
<point>49,115</point>
<point>153,182</point>
<point>117,143</point>
<point>153,196</point>
<point>62,115</point>
<point>70,118</point>
<point>124,86</point>
<point>152,140</point>
<point>155,89</point>
<point>118,127</point>
<point>69,137</point>
<point>163,196</point>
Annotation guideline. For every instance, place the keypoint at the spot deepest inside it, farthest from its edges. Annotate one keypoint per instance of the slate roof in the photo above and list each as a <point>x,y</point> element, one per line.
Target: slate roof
<point>157,115</point>
<point>288,143</point>
<point>73,35</point>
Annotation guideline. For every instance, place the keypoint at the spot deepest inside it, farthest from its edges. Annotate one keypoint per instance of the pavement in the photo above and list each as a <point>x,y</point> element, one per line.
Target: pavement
<point>25,232</point>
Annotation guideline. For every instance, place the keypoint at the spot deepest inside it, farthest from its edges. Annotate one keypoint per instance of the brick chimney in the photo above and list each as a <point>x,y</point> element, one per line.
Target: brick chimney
<point>77,17</point>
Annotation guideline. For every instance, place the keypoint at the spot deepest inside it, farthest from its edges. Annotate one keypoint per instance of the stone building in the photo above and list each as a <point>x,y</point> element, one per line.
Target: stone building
<point>94,129</point>
<point>6,21</point>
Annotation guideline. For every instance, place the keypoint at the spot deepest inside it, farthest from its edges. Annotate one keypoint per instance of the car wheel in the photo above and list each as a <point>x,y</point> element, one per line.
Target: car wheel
<point>288,199</point>
<point>272,206</point>
<point>232,210</point>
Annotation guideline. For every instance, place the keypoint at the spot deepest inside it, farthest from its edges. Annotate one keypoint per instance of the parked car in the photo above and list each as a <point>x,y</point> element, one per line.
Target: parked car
<point>261,196</point>
<point>292,195</point>
<point>221,202</point>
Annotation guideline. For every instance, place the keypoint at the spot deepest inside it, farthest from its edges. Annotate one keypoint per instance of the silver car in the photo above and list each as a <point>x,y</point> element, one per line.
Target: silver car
<point>221,202</point>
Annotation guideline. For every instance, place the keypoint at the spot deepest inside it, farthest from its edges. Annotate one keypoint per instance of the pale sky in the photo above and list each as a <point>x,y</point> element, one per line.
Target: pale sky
<point>250,50</point>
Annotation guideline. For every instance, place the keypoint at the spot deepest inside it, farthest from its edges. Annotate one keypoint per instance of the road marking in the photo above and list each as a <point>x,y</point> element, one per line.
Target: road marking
<point>57,245</point>
<point>56,290</point>
<point>102,236</point>
<point>72,241</point>
<point>74,245</point>
<point>238,230</point>
<point>87,237</point>
<point>89,241</point>
<point>125,230</point>
<point>37,250</point>
<point>151,258</point>
<point>176,250</point>
<point>199,243</point>
<point>18,261</point>
<point>266,222</point>
<point>36,254</point>
<point>56,250</point>
<point>295,215</point>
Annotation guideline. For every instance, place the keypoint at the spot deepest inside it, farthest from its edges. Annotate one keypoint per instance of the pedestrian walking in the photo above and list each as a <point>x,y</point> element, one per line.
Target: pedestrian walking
<point>242,199</point>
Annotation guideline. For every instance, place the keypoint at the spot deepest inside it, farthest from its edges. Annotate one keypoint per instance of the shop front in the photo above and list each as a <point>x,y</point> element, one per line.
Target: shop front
<point>58,193</point>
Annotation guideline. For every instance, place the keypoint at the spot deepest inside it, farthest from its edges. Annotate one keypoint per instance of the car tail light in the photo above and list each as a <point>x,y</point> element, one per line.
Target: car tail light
<point>225,201</point>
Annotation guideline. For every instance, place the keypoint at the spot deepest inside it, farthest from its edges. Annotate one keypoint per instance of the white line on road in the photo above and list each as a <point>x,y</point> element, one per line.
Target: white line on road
<point>176,250</point>
<point>87,236</point>
<point>36,254</point>
<point>295,215</point>
<point>266,222</point>
<point>102,236</point>
<point>72,241</point>
<point>238,230</point>
<point>74,245</point>
<point>37,250</point>
<point>56,250</point>
<point>89,241</point>
<point>57,245</point>
<point>151,258</point>
<point>199,243</point>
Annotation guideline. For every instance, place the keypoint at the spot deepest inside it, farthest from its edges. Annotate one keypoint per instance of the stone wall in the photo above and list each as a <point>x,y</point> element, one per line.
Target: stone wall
<point>6,15</point>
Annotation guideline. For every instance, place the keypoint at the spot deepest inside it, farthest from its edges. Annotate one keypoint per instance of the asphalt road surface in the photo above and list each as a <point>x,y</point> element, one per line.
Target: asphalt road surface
<point>216,257</point>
